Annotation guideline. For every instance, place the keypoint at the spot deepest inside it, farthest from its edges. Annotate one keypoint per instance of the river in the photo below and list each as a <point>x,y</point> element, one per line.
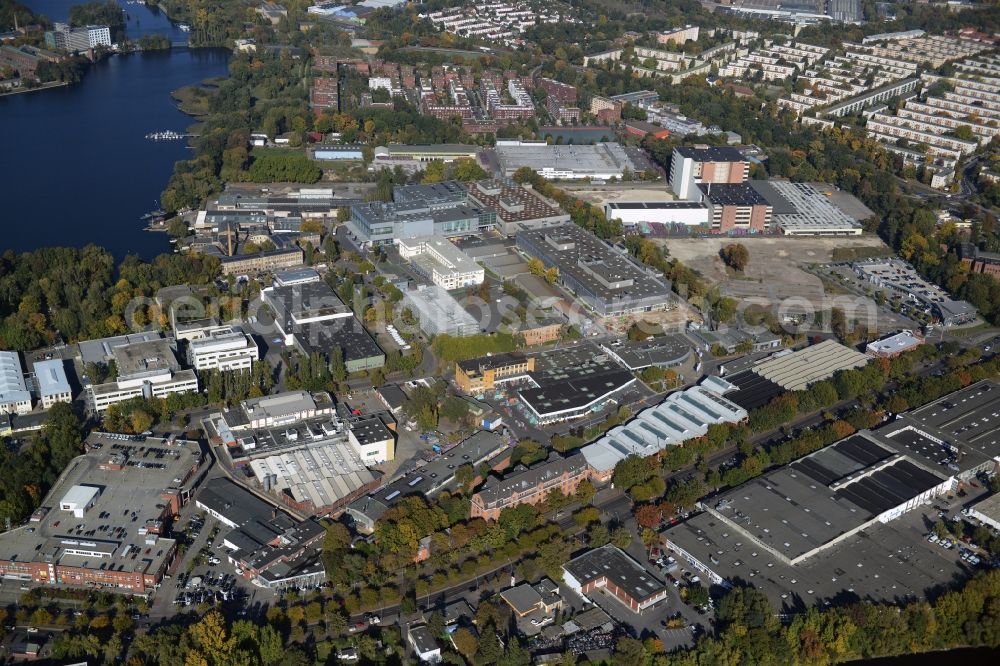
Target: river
<point>76,165</point>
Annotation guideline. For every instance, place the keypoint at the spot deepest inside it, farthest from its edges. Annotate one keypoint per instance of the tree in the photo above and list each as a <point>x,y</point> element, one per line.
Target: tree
<point>648,516</point>
<point>465,643</point>
<point>736,256</point>
<point>697,594</point>
<point>629,652</point>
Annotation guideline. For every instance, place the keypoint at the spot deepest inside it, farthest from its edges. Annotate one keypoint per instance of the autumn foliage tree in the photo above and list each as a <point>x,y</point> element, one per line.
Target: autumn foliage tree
<point>736,256</point>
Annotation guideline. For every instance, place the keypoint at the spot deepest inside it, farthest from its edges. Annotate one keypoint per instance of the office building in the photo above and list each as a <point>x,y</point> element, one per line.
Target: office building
<point>272,549</point>
<point>664,351</point>
<point>892,346</point>
<point>569,162</point>
<point>278,410</point>
<point>225,348</point>
<point>74,40</point>
<point>310,317</point>
<point>53,386</point>
<point>610,568</point>
<point>606,281</point>
<point>103,522</point>
<point>529,486</point>
<point>517,207</point>
<point>438,313</point>
<point>482,375</point>
<point>574,392</point>
<point>376,223</point>
<point>691,166</point>
<point>14,395</point>
<point>145,369</point>
<point>438,259</point>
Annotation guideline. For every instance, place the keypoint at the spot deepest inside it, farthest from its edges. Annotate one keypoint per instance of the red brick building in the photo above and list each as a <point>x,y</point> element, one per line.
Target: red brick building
<point>529,486</point>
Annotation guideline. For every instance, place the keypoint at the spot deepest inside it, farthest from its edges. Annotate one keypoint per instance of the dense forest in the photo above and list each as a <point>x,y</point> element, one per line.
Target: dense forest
<point>76,294</point>
<point>11,8</point>
<point>108,13</point>
<point>27,475</point>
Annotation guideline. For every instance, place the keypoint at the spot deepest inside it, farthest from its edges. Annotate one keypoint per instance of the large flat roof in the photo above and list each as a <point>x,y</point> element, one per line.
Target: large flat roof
<point>324,474</point>
<point>141,358</point>
<point>580,255</point>
<point>797,370</point>
<point>661,350</point>
<point>138,472</point>
<point>797,510</point>
<point>598,158</point>
<point>439,473</point>
<point>710,153</point>
<point>618,568</point>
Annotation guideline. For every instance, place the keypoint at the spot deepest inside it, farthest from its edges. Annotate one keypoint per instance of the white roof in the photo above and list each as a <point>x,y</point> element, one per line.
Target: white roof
<point>51,377</point>
<point>79,495</point>
<point>683,415</point>
<point>899,342</point>
<point>12,387</point>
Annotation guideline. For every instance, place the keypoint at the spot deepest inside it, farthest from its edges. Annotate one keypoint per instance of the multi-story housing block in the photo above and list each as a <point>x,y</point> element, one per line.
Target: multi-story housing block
<point>529,486</point>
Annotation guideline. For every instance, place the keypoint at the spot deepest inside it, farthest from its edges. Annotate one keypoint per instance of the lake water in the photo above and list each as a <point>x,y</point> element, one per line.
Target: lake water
<point>76,165</point>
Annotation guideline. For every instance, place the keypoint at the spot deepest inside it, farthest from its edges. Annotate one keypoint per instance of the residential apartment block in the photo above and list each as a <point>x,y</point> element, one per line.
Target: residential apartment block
<point>773,61</point>
<point>529,486</point>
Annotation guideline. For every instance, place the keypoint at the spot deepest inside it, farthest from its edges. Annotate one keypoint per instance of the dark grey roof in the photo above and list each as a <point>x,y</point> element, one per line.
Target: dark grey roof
<point>780,204</point>
<point>575,393</point>
<point>611,563</point>
<point>732,194</point>
<point>711,154</point>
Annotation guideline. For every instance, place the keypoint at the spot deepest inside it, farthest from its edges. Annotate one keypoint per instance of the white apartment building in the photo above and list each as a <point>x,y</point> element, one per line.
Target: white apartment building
<point>225,348</point>
<point>775,62</point>
<point>439,259</point>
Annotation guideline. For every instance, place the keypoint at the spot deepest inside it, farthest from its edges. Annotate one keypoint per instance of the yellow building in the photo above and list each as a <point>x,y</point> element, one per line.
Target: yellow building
<point>479,375</point>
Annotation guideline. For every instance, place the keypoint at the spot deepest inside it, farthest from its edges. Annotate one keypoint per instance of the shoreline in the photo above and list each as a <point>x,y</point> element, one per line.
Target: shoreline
<point>44,86</point>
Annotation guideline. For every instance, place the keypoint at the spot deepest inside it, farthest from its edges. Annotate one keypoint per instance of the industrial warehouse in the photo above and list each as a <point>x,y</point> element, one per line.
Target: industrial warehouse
<point>603,279</point>
<point>835,520</point>
<point>682,415</point>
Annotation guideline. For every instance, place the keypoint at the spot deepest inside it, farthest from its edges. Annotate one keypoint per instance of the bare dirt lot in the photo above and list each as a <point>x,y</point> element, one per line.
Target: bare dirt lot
<point>610,193</point>
<point>774,272</point>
